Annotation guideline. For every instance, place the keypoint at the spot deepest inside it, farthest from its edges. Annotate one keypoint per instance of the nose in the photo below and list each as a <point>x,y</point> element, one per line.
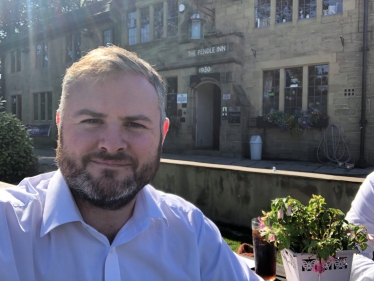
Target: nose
<point>112,140</point>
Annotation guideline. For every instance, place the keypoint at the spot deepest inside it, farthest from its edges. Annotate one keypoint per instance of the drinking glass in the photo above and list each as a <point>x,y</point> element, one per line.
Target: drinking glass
<point>265,253</point>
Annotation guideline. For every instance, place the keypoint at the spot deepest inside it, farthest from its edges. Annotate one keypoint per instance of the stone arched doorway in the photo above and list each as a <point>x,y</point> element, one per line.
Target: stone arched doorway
<point>208,115</point>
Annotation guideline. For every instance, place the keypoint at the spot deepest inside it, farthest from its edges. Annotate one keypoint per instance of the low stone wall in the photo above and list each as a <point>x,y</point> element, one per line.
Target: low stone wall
<point>235,195</point>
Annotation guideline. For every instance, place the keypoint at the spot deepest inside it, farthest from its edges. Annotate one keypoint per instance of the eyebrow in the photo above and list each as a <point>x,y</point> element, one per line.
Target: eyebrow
<point>139,117</point>
<point>90,113</point>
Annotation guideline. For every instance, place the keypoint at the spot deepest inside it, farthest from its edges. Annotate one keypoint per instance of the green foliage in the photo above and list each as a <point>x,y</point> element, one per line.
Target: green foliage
<point>314,229</point>
<point>17,159</point>
<point>17,16</point>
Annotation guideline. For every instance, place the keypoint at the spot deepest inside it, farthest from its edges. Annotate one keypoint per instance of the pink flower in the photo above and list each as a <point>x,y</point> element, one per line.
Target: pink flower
<point>280,214</point>
<point>370,237</point>
<point>289,210</point>
<point>262,224</point>
<point>271,237</point>
<point>318,267</point>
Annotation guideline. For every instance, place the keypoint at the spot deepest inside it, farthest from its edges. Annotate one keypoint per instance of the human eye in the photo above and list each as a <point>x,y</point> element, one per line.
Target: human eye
<point>135,125</point>
<point>92,121</point>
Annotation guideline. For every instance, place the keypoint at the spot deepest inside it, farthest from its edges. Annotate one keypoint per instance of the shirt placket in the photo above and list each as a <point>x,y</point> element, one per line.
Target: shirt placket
<point>112,270</point>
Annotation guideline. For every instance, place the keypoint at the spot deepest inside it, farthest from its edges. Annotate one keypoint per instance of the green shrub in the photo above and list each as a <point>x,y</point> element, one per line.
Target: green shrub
<point>17,159</point>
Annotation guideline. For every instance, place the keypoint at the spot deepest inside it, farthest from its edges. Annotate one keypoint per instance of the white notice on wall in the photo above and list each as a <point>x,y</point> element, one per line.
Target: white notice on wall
<point>226,96</point>
<point>181,98</point>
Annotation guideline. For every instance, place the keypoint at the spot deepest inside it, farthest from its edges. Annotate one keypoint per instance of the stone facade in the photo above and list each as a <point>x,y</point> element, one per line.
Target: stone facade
<point>222,74</point>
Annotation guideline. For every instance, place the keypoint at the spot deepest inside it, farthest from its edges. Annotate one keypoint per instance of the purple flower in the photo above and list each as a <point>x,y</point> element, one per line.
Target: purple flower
<point>289,210</point>
<point>280,214</point>
<point>318,267</point>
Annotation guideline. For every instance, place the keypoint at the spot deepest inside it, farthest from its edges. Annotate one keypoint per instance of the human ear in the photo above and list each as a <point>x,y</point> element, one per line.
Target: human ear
<point>165,128</point>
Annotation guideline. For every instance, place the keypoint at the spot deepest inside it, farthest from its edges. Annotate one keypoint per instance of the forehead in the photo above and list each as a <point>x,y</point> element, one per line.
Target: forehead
<point>117,94</point>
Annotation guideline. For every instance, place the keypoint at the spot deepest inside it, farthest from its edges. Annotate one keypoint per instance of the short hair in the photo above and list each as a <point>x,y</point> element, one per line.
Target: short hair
<point>105,61</point>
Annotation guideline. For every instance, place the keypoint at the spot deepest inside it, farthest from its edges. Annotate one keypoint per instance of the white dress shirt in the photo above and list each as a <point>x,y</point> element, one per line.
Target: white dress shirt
<point>43,237</point>
<point>362,212</point>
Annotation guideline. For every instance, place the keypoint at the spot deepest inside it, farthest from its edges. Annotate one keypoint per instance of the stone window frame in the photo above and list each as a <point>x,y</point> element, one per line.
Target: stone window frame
<point>42,106</point>
<point>16,105</point>
<point>73,49</point>
<point>311,91</point>
<point>41,53</point>
<point>168,23</point>
<point>262,13</point>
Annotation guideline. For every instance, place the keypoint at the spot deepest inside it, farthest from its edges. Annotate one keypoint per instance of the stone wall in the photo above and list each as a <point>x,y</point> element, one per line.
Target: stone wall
<point>237,194</point>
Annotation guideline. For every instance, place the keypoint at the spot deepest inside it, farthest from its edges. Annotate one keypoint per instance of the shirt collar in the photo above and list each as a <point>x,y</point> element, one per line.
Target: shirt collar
<point>60,207</point>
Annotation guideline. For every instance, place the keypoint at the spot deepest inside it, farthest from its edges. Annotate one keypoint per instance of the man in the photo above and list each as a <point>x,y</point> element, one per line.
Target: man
<point>96,218</point>
<point>362,213</point>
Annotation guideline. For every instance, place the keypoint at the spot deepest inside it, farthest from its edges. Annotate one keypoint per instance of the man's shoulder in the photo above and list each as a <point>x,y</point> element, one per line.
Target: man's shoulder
<point>171,200</point>
<point>28,190</point>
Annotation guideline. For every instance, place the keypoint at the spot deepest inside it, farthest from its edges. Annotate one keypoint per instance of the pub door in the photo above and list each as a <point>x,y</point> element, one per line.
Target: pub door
<point>208,116</point>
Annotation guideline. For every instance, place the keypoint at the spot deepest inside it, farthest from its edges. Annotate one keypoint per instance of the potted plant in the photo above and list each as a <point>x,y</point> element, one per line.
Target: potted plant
<point>313,239</point>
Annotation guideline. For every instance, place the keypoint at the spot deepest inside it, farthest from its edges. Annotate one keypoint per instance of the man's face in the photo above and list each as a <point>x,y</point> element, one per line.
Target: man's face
<point>110,139</point>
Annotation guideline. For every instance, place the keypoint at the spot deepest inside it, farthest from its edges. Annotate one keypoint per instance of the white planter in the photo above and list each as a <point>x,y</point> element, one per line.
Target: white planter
<point>299,267</point>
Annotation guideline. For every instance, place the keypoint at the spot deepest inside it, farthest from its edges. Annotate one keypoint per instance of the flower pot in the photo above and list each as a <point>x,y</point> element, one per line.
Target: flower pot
<point>321,123</point>
<point>262,123</point>
<point>299,267</point>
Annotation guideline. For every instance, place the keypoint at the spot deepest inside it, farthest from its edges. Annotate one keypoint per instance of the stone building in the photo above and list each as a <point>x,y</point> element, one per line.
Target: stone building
<point>251,58</point>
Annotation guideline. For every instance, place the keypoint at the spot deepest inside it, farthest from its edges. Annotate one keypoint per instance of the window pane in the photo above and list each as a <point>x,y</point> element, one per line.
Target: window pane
<point>318,87</point>
<point>331,7</point>
<point>158,21</point>
<point>18,60</point>
<point>172,18</point>
<point>283,11</point>
<point>144,27</point>
<point>14,105</point>
<point>49,105</point>
<point>36,107</point>
<point>270,91</point>
<point>39,55</point>
<point>12,61</point>
<point>262,13</point>
<point>131,27</point>
<point>42,106</point>
<point>107,37</point>
<point>19,107</point>
<point>171,96</point>
<point>69,48</point>
<point>307,9</point>
<point>293,90</point>
<point>77,46</point>
<point>45,54</point>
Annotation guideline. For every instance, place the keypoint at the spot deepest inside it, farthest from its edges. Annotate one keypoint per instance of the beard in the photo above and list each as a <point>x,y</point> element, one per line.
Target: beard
<point>105,191</point>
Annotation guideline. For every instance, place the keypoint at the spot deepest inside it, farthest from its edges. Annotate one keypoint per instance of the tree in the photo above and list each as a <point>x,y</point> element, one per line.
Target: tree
<point>17,15</point>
